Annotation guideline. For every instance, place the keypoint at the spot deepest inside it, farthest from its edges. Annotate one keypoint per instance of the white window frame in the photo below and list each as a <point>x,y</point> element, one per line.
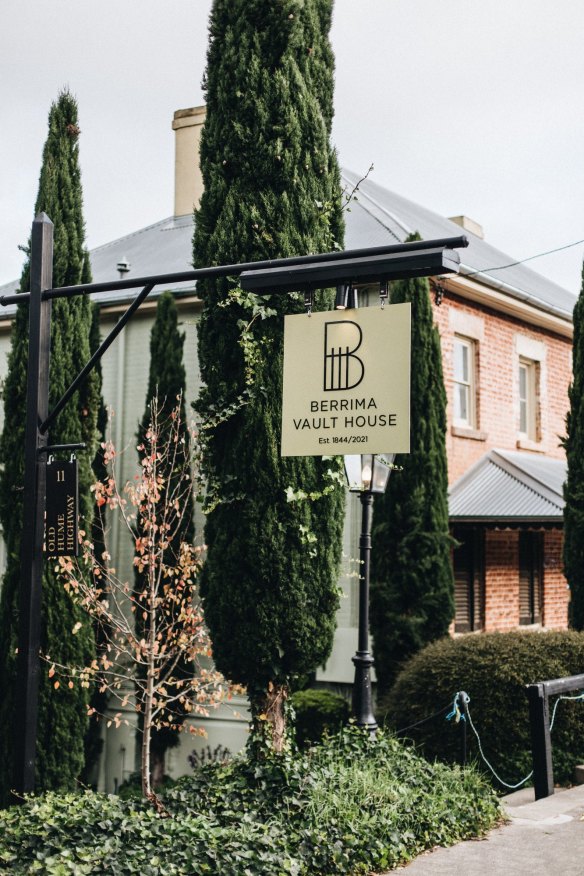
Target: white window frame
<point>467,384</point>
<point>527,426</point>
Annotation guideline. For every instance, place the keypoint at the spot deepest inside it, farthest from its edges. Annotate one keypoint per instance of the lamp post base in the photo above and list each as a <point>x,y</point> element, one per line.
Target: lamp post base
<point>362,699</point>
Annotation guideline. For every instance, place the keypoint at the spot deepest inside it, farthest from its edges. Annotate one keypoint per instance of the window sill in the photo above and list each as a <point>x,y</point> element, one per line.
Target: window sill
<point>529,444</point>
<point>465,432</point>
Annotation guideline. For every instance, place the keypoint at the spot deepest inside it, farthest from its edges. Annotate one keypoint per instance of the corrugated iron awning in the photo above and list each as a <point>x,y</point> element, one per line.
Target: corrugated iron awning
<point>508,488</point>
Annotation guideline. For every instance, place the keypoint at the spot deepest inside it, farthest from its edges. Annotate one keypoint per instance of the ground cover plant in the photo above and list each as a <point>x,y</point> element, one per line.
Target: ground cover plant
<point>493,669</point>
<point>347,806</point>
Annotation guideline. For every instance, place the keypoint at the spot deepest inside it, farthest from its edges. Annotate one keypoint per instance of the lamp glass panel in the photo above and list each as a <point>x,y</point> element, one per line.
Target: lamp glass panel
<point>381,472</point>
<point>353,473</point>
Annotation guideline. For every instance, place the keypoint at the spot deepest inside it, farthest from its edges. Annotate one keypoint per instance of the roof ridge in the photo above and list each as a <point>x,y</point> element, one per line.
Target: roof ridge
<point>377,206</point>
<point>526,478</point>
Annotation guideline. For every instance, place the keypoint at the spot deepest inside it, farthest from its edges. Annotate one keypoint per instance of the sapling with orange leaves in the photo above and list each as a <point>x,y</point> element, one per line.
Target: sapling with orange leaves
<point>150,633</point>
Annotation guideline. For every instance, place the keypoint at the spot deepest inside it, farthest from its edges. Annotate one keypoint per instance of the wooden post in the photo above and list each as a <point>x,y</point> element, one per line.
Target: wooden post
<point>541,746</point>
<point>37,393</point>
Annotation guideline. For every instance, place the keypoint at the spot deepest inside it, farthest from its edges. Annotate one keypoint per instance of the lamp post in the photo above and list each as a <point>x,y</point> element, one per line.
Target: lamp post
<point>366,474</point>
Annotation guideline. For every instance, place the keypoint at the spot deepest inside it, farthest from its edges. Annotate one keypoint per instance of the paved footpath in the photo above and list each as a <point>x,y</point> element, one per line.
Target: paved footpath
<point>544,837</point>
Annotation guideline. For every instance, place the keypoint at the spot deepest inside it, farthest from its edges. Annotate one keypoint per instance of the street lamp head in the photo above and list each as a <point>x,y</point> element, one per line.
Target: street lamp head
<point>369,472</point>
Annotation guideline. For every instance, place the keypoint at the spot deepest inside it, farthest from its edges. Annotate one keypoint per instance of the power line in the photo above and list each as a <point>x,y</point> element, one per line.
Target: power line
<point>522,261</point>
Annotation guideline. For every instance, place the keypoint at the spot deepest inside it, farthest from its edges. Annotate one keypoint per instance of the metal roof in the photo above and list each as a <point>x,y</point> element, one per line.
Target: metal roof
<point>377,217</point>
<point>509,487</point>
<point>378,212</point>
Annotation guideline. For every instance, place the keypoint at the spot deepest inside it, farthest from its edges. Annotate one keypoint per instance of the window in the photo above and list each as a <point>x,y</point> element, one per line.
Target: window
<point>528,394</point>
<point>464,382</point>
<point>469,579</point>
<point>530,577</point>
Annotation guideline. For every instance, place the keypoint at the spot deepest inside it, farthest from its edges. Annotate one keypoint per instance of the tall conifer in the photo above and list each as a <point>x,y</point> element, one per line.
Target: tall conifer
<point>271,190</point>
<point>412,592</point>
<point>62,713</point>
<point>167,385</point>
<point>574,486</point>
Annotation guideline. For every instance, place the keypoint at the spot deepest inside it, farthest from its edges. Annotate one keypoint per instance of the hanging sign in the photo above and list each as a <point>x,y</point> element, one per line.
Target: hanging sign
<point>346,386</point>
<point>61,527</point>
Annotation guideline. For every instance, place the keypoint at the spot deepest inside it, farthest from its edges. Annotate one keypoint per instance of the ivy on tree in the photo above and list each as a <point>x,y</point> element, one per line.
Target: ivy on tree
<point>272,189</point>
<point>62,712</point>
<point>574,486</point>
<point>412,589</point>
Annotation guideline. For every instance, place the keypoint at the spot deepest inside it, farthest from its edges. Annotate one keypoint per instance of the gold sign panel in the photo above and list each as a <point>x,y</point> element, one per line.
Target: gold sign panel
<point>347,382</point>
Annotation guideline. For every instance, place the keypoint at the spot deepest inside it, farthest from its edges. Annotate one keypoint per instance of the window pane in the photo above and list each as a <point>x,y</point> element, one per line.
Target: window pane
<point>523,416</point>
<point>463,395</point>
<point>522,382</point>
<point>461,361</point>
<point>461,403</point>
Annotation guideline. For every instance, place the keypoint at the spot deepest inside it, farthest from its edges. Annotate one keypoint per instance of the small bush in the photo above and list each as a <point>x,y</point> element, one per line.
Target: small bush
<point>318,713</point>
<point>493,669</point>
<point>348,806</point>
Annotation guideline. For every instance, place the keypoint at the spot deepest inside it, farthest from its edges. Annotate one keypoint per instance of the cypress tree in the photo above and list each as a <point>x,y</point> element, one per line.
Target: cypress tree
<point>99,698</point>
<point>167,385</point>
<point>272,189</point>
<point>412,590</point>
<point>574,486</point>
<point>62,713</point>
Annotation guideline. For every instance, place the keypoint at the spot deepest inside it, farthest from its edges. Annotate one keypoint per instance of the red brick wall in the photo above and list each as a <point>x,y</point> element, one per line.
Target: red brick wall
<point>497,382</point>
<point>556,595</point>
<point>501,580</point>
<point>497,337</point>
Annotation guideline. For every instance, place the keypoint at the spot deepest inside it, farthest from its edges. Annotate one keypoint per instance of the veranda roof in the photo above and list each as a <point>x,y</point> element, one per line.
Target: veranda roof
<point>510,488</point>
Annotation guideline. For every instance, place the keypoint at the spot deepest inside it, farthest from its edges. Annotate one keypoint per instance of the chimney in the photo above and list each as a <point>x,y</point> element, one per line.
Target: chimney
<point>188,182</point>
<point>469,225</point>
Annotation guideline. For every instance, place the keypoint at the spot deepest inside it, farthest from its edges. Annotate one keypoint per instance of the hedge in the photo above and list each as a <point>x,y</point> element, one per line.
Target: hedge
<point>493,668</point>
<point>318,713</point>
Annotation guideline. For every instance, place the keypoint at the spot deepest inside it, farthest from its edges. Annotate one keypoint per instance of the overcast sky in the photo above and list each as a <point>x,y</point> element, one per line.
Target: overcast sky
<point>465,106</point>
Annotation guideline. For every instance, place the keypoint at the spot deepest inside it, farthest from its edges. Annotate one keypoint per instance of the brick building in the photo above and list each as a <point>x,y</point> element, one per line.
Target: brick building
<point>506,344</point>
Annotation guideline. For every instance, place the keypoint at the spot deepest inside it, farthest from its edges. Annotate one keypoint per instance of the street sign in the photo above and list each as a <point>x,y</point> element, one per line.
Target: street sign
<point>61,529</point>
<point>346,386</point>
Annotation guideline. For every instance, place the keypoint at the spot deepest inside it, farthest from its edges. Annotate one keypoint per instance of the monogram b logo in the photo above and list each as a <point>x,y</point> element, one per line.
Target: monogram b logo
<point>342,368</point>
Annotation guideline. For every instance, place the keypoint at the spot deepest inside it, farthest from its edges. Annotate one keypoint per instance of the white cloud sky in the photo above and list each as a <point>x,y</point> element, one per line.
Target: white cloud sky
<point>465,106</point>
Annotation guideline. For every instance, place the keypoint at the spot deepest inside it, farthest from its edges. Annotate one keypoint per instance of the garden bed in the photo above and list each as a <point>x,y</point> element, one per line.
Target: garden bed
<point>348,806</point>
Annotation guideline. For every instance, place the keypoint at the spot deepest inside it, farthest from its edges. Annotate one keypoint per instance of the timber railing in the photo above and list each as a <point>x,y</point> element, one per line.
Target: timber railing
<point>539,719</point>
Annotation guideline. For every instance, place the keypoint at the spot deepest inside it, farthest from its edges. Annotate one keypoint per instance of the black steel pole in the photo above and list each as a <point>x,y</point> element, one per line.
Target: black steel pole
<point>363,660</point>
<point>31,556</point>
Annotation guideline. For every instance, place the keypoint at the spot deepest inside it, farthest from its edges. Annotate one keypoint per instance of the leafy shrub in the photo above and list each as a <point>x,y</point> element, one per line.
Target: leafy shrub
<point>348,806</point>
<point>493,669</point>
<point>318,713</point>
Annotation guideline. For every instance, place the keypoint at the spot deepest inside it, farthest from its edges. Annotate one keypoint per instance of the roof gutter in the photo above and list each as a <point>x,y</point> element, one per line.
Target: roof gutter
<point>501,286</point>
<point>510,522</point>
